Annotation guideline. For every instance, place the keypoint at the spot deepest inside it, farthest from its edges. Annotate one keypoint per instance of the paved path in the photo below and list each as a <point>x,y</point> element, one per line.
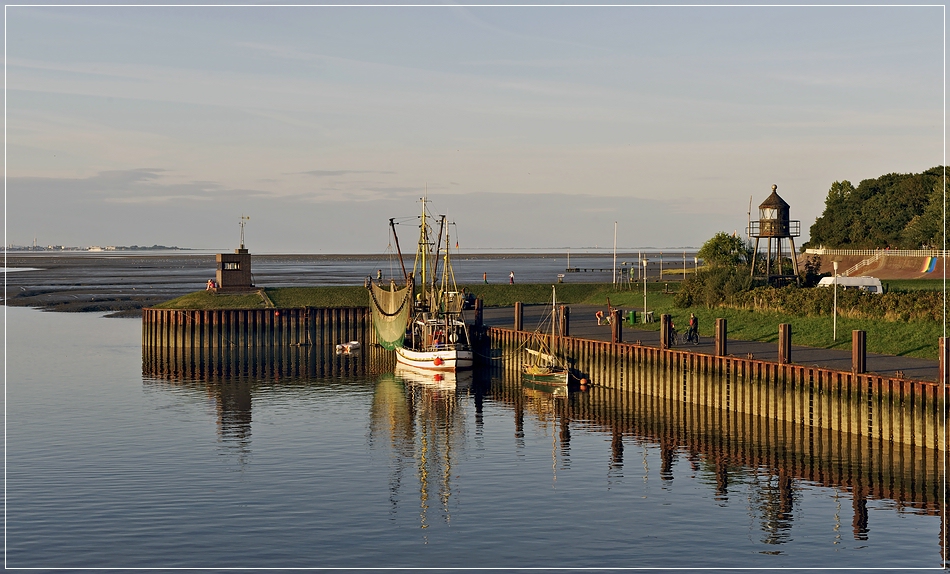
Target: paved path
<point>584,326</point>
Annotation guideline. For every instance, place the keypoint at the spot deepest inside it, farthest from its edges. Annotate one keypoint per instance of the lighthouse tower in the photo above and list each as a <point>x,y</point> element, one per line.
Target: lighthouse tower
<point>774,224</point>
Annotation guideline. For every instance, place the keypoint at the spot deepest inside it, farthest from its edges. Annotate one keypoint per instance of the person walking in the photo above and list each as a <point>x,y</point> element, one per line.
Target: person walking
<point>485,277</point>
<point>693,331</point>
<point>511,278</point>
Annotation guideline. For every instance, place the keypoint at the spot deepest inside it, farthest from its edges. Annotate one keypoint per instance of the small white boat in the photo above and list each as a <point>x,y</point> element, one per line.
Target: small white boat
<point>347,348</point>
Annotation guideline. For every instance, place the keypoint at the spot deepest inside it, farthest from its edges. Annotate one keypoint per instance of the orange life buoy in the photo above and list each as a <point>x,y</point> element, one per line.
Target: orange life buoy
<point>438,361</point>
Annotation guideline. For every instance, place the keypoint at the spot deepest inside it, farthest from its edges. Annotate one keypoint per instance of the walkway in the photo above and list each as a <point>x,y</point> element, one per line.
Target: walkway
<point>584,325</point>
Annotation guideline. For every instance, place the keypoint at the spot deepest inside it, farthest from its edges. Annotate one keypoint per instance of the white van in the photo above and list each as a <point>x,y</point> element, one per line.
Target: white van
<point>869,284</point>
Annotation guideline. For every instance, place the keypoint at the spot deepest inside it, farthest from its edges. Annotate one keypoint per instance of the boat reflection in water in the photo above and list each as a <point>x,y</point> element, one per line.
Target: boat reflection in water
<point>543,388</point>
<point>419,415</point>
<point>444,380</point>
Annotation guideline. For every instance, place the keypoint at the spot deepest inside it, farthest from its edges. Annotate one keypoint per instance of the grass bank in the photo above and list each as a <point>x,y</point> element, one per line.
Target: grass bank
<point>356,296</point>
<point>906,338</point>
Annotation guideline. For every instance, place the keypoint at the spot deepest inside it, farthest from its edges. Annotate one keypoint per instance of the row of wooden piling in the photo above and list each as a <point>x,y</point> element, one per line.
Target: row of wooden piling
<point>248,328</point>
<point>266,343</point>
<point>883,408</point>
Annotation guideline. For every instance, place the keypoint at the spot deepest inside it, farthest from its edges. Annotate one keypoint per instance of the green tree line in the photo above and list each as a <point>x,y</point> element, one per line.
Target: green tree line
<point>900,211</point>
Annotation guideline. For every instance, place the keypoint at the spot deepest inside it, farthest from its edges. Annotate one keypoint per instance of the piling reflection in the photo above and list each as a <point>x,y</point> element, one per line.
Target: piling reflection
<point>771,456</point>
<point>230,377</point>
<point>264,363</point>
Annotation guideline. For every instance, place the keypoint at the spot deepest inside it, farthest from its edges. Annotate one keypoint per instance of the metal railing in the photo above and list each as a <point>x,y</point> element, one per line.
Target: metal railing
<point>881,252</point>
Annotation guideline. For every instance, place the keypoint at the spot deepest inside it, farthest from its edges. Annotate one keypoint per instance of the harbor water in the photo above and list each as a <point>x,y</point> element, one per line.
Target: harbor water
<point>112,463</point>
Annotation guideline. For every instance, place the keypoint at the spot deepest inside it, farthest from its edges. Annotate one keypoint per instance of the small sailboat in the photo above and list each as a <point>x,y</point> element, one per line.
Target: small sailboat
<point>545,369</point>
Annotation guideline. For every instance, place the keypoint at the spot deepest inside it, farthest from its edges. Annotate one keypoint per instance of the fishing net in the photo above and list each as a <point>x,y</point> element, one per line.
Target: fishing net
<point>391,309</point>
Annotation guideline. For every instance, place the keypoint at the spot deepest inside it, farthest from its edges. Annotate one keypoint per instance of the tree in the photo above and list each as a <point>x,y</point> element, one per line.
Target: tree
<point>927,229</point>
<point>724,250</point>
<point>893,210</point>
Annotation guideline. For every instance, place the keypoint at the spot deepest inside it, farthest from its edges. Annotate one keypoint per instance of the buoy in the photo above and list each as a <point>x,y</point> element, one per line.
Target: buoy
<point>438,361</point>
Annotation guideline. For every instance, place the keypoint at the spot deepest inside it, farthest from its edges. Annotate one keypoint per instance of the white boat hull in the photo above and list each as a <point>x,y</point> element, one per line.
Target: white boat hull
<point>436,360</point>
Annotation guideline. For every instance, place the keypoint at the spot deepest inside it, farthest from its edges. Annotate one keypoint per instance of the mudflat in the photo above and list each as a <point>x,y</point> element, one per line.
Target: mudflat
<point>123,283</point>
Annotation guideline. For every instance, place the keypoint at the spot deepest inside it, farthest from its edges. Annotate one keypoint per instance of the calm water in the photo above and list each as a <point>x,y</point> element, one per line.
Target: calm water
<point>110,468</point>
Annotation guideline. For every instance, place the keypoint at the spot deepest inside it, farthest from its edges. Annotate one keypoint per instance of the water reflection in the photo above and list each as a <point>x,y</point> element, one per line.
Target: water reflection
<point>418,415</point>
<point>426,422</point>
<point>774,459</point>
<point>231,402</point>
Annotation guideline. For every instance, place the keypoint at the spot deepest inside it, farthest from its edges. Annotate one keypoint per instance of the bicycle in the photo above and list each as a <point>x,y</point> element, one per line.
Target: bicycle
<point>691,336</point>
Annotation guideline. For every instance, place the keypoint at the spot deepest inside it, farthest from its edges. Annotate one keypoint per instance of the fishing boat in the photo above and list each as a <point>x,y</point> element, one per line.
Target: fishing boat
<point>545,369</point>
<point>424,325</point>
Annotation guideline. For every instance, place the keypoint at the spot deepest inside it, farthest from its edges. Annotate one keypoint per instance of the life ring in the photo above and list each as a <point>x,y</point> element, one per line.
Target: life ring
<point>453,338</point>
<point>438,361</point>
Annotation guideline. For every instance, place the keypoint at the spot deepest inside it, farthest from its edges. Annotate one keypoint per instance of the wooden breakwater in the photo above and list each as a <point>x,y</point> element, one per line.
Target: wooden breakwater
<point>246,328</point>
<point>881,408</point>
<point>205,344</point>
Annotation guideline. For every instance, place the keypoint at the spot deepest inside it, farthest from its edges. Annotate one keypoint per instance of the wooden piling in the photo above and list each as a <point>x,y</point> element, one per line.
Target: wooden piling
<point>784,343</point>
<point>721,350</point>
<point>859,353</point>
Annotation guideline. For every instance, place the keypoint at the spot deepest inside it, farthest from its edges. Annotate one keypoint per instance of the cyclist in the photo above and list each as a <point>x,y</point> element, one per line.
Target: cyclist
<point>692,333</point>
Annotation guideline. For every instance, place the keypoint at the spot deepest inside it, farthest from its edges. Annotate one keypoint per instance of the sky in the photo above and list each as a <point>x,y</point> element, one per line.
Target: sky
<point>529,127</point>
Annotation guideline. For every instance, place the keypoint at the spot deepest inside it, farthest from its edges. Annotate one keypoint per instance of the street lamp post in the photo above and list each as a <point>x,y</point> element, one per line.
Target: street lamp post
<point>834,332</point>
<point>644,289</point>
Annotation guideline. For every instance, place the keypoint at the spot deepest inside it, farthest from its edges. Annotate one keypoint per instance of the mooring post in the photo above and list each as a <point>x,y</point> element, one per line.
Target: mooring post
<point>479,317</point>
<point>519,315</point>
<point>859,352</point>
<point>565,318</point>
<point>721,337</point>
<point>784,343</point>
<point>944,360</point>
<point>664,331</point>
<point>616,329</point>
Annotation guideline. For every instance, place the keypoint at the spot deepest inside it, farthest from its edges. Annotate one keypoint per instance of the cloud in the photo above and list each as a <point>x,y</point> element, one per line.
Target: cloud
<point>139,185</point>
<point>336,172</point>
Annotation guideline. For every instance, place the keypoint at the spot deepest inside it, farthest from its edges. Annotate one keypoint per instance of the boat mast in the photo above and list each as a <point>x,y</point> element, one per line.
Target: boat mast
<point>435,262</point>
<point>553,320</point>
<point>422,252</point>
<point>392,224</point>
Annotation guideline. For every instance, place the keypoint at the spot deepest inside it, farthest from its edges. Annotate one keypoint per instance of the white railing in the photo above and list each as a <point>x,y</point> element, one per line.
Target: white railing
<point>864,263</point>
<point>881,252</point>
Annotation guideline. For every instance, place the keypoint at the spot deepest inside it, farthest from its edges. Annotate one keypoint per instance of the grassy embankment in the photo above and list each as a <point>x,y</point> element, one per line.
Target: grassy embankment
<point>910,338</point>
